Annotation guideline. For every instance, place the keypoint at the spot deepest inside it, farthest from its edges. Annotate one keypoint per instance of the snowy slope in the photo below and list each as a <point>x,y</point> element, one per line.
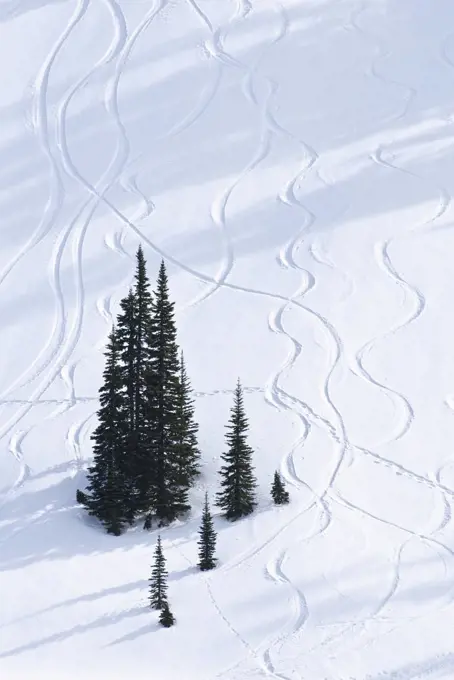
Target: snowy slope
<point>292,161</point>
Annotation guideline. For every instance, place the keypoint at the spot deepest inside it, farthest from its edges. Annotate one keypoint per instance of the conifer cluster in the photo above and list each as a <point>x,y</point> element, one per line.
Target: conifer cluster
<point>146,456</point>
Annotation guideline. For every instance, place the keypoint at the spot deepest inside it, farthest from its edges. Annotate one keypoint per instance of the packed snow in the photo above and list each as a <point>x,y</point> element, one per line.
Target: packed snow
<point>292,161</point>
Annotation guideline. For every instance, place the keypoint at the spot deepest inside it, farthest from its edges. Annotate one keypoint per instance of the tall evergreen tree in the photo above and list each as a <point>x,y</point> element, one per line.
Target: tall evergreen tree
<point>278,491</point>
<point>237,497</point>
<point>158,580</point>
<point>143,467</point>
<point>207,540</point>
<point>186,456</point>
<point>134,336</point>
<point>106,499</point>
<point>168,497</point>
<point>166,618</point>
<point>126,336</point>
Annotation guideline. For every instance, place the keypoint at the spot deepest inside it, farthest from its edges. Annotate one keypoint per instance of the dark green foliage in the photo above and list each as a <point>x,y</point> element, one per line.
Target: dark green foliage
<point>278,491</point>
<point>81,497</point>
<point>126,337</point>
<point>133,331</point>
<point>207,540</point>
<point>158,580</point>
<point>143,467</point>
<point>105,499</point>
<point>169,495</point>
<point>186,454</point>
<point>166,618</point>
<point>126,342</point>
<point>146,453</point>
<point>237,498</point>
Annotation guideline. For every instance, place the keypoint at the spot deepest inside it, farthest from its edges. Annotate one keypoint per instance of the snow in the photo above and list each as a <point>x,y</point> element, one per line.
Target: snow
<point>292,161</point>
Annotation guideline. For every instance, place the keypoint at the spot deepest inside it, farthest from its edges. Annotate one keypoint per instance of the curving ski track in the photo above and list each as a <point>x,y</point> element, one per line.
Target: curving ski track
<point>382,249</point>
<point>274,394</point>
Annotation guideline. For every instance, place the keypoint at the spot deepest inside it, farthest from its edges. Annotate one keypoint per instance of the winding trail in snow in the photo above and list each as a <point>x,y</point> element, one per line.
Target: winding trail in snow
<point>55,199</point>
<point>40,124</point>
<point>382,256</point>
<point>218,209</point>
<point>64,346</point>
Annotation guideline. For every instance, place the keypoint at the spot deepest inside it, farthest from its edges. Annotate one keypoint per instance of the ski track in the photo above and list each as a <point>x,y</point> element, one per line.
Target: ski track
<point>56,196</point>
<point>15,447</point>
<point>39,121</point>
<point>428,539</point>
<point>207,279</point>
<point>128,179</point>
<point>381,249</point>
<point>273,393</point>
<point>264,663</point>
<point>287,259</point>
<point>59,330</point>
<point>56,192</point>
<point>218,209</point>
<point>63,349</point>
<point>74,440</point>
<point>274,570</point>
<point>359,626</point>
<point>316,252</point>
<point>129,184</point>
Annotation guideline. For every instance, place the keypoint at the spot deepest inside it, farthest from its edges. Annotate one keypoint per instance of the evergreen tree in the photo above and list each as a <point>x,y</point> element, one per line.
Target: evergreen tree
<point>158,580</point>
<point>133,332</point>
<point>81,497</point>
<point>126,335</point>
<point>278,491</point>
<point>207,540</point>
<point>167,495</point>
<point>238,484</point>
<point>143,468</point>
<point>105,499</point>
<point>186,455</point>
<point>166,618</point>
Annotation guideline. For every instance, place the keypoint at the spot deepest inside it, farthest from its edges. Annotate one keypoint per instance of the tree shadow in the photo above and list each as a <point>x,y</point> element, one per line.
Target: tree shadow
<point>106,620</point>
<point>151,627</point>
<point>11,9</point>
<point>443,662</point>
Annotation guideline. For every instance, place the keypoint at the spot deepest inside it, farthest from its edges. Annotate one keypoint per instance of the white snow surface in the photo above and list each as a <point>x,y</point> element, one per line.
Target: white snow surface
<point>292,161</point>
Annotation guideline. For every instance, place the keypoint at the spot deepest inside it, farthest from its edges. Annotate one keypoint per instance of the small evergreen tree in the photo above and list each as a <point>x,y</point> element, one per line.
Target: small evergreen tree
<point>81,497</point>
<point>207,540</point>
<point>278,491</point>
<point>238,484</point>
<point>105,499</point>
<point>158,580</point>
<point>166,618</point>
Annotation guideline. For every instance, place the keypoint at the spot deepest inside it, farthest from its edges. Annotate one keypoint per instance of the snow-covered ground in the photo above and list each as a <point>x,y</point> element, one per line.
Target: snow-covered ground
<point>293,162</point>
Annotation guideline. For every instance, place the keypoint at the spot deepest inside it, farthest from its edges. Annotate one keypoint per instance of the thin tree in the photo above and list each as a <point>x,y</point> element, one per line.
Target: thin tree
<point>186,454</point>
<point>158,580</point>
<point>166,618</point>
<point>207,540</point>
<point>238,484</point>
<point>105,496</point>
<point>278,491</point>
<point>133,333</point>
<point>143,463</point>
<point>167,497</point>
<point>126,336</point>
